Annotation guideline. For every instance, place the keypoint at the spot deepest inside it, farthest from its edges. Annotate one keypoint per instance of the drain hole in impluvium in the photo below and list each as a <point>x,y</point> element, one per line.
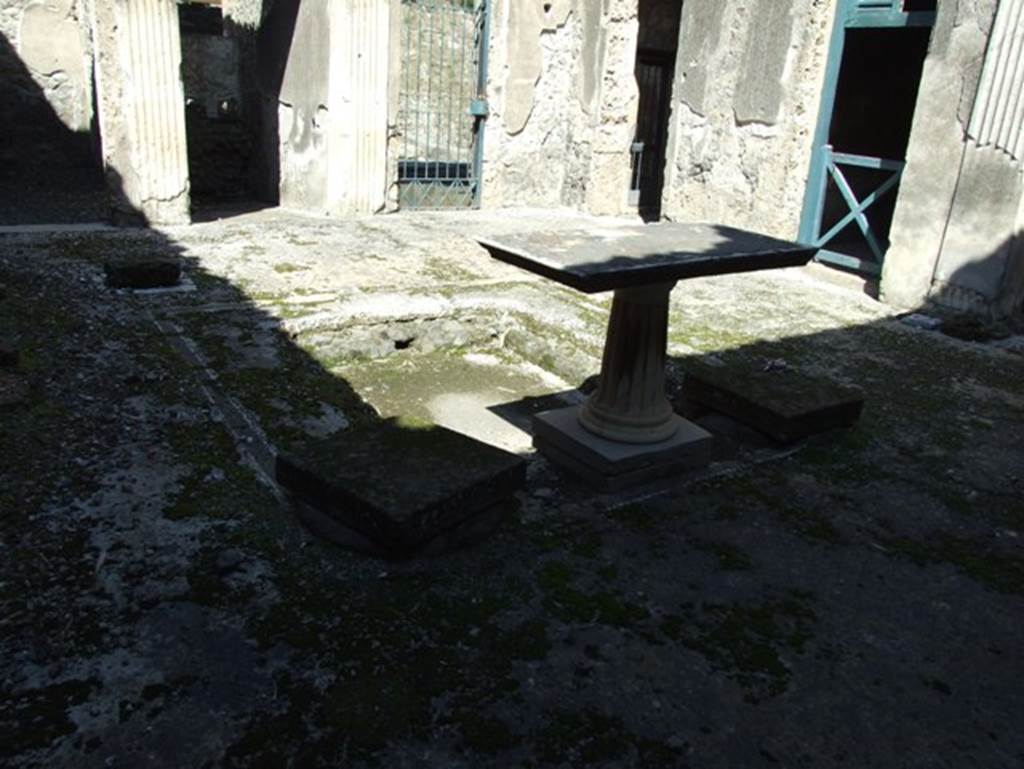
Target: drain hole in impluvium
<point>453,374</point>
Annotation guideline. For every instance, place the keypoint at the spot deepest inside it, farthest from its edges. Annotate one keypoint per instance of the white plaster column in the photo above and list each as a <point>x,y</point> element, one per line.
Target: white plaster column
<point>360,35</point>
<point>629,404</point>
<point>142,108</point>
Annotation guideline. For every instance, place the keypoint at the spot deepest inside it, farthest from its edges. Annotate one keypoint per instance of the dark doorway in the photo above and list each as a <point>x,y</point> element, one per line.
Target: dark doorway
<point>874,109</point>
<point>221,144</point>
<point>655,67</point>
<point>868,107</point>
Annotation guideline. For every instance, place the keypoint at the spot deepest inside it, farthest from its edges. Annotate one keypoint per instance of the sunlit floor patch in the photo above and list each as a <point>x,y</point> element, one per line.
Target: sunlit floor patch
<point>472,393</point>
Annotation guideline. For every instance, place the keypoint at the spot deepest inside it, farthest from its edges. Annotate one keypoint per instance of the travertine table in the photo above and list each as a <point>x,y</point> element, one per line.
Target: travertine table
<point>629,429</point>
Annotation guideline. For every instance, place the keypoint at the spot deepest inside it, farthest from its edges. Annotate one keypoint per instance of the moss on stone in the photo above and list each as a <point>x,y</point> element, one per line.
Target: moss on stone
<point>745,641</point>
<point>730,557</point>
<point>636,516</point>
<point>996,570</point>
<point>570,604</point>
<point>484,734</point>
<point>32,720</point>
<point>586,737</point>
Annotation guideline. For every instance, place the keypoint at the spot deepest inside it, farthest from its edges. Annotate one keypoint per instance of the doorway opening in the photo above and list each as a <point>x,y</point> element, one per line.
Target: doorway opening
<point>657,45</point>
<point>872,81</point>
<point>442,103</point>
<point>218,130</point>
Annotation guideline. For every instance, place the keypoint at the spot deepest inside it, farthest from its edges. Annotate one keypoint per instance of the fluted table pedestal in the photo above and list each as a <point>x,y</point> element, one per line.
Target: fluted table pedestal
<point>626,432</point>
<point>629,404</point>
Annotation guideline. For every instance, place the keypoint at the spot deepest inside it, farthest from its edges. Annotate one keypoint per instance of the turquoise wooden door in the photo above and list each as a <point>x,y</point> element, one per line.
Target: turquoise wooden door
<point>871,79</point>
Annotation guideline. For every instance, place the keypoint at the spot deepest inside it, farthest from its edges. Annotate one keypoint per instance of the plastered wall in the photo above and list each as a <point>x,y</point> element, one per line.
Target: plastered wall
<point>562,104</point>
<point>745,103</point>
<point>45,57</point>
<point>563,107</point>
<point>332,104</point>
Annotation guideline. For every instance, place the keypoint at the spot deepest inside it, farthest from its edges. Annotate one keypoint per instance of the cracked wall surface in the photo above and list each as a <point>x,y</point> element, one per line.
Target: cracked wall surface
<point>956,229</point>
<point>332,104</point>
<point>745,104</point>
<point>562,104</point>
<point>45,55</point>
<point>142,109</point>
<point>52,40</point>
<point>303,112</point>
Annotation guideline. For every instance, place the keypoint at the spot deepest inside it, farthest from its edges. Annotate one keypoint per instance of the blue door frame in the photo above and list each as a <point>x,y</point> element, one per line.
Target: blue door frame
<point>828,164</point>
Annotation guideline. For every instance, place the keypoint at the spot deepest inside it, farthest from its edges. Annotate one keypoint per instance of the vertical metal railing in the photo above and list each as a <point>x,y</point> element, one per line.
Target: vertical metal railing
<point>442,109</point>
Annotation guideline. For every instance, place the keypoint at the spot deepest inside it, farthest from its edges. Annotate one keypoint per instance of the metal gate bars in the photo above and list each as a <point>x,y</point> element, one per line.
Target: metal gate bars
<point>442,108</point>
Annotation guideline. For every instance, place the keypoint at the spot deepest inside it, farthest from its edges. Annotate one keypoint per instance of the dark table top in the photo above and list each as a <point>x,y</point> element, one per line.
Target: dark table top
<point>604,258</point>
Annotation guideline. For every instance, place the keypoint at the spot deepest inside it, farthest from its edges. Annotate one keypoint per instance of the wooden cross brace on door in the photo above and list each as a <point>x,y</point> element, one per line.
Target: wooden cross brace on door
<point>858,207</point>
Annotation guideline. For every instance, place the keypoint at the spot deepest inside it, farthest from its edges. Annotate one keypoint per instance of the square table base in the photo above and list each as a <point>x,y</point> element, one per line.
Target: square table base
<point>612,465</point>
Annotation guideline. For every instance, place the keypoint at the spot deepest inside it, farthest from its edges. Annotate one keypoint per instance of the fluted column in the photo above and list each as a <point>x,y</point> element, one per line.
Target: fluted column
<point>357,149</point>
<point>629,404</point>
<point>142,108</point>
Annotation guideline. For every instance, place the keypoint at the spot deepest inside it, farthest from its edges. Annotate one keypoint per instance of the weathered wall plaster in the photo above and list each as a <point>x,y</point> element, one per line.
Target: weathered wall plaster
<point>608,183</point>
<point>956,230</point>
<point>46,107</point>
<point>562,104</point>
<point>1011,298</point>
<point>302,110</point>
<point>701,32</point>
<point>747,89</point>
<point>54,44</point>
<point>535,142</point>
<point>982,225</point>
<point>332,109</point>
<point>358,117</point>
<point>760,91</point>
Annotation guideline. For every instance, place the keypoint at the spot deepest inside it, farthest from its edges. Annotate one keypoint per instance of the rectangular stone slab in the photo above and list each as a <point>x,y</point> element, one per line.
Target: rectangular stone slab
<point>142,272</point>
<point>605,258</point>
<point>612,465</point>
<point>785,404</point>
<point>401,487</point>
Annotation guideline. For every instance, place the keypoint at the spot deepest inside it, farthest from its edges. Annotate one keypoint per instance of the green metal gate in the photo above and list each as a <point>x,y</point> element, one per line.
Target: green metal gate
<point>863,128</point>
<point>442,104</point>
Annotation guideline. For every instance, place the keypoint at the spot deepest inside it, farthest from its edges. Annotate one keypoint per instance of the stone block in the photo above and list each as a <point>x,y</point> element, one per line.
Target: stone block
<point>781,402</point>
<point>612,465</point>
<point>149,272</point>
<point>396,490</point>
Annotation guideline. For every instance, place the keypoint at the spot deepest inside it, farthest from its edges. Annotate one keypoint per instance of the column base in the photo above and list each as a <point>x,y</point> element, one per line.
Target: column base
<point>653,427</point>
<point>612,465</point>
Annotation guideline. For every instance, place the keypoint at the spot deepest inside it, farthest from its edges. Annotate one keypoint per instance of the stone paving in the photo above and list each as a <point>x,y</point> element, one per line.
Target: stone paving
<point>852,600</point>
